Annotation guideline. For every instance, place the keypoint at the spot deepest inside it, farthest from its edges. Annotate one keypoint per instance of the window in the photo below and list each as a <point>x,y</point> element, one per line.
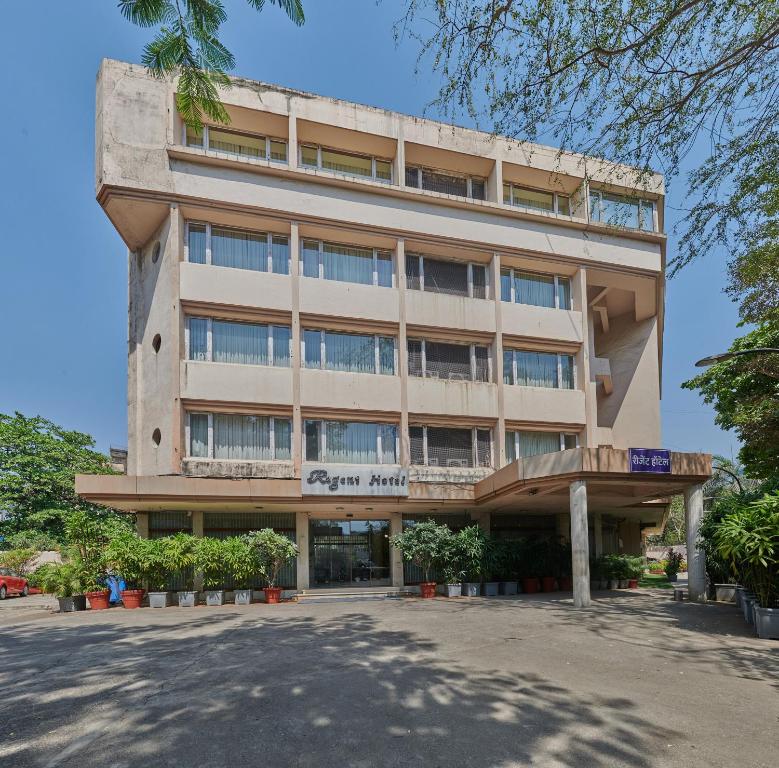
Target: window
<point>455,278</point>
<point>531,443</point>
<point>237,248</point>
<point>336,351</point>
<point>538,369</point>
<point>238,437</point>
<point>350,442</point>
<point>367,266</point>
<point>446,182</point>
<point>351,163</point>
<point>536,199</point>
<point>622,211</point>
<point>236,143</point>
<point>443,360</point>
<point>538,290</point>
<point>450,446</point>
<point>225,341</point>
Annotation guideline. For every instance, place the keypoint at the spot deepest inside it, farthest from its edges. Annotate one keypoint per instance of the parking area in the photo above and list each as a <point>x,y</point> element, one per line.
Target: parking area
<point>636,680</point>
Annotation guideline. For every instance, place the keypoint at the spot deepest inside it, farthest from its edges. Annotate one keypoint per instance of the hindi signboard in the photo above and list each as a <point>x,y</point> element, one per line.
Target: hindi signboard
<point>654,460</point>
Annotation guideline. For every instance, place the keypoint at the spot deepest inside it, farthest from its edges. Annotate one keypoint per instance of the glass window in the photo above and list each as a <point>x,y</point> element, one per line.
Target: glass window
<point>622,211</point>
<point>647,216</point>
<point>283,439</point>
<point>239,144</point>
<point>450,277</point>
<point>278,150</point>
<point>313,447</point>
<point>384,270</point>
<point>197,243</point>
<point>479,281</point>
<point>244,438</point>
<point>349,265</point>
<point>505,284</point>
<point>535,443</point>
<point>536,290</point>
<point>240,250</point>
<point>194,138</point>
<point>564,293</point>
<point>388,434</point>
<point>282,338</point>
<point>483,447</point>
<point>349,352</point>
<point>351,442</point>
<point>448,361</point>
<point>564,205</point>
<point>447,183</point>
<point>508,366</point>
<point>310,258</point>
<point>536,369</point>
<point>414,357</point>
<point>482,372</point>
<point>308,156</point>
<point>566,371</point>
<point>507,194</point>
<point>570,441</point>
<point>477,188</point>
<point>412,271</point>
<point>387,354</point>
<point>384,170</point>
<point>416,444</point>
<point>448,447</point>
<point>198,338</point>
<point>343,162</point>
<point>280,254</point>
<point>412,176</point>
<point>244,343</point>
<point>533,198</point>
<point>313,346</point>
<point>198,435</point>
<point>511,449</point>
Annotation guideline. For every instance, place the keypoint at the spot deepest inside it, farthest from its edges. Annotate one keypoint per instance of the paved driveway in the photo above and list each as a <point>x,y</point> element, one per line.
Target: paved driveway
<point>637,680</point>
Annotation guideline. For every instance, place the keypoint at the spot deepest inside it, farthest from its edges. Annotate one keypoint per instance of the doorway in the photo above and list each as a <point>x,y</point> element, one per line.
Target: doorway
<point>349,553</point>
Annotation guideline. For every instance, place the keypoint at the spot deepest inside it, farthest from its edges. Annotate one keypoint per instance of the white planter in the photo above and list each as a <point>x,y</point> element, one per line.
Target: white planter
<point>613,584</point>
<point>159,599</point>
<point>508,587</point>
<point>215,597</point>
<point>453,590</point>
<point>243,596</point>
<point>725,593</point>
<point>187,599</point>
<point>767,623</point>
<point>470,588</point>
<point>624,583</point>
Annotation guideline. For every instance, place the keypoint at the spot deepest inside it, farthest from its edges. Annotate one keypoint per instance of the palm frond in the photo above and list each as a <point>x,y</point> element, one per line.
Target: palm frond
<point>293,8</point>
<point>146,13</point>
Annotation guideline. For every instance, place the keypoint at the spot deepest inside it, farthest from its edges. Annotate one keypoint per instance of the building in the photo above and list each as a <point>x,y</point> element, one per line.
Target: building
<point>343,318</point>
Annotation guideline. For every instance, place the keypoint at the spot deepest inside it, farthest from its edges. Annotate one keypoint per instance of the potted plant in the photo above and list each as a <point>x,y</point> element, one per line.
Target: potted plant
<point>472,543</point>
<point>423,544</point>
<point>241,562</point>
<point>452,565</point>
<point>611,571</point>
<point>672,565</point>
<point>623,571</point>
<point>274,551</point>
<point>507,562</point>
<point>158,571</point>
<point>490,567</point>
<point>209,562</point>
<point>560,552</point>
<point>180,555</point>
<point>63,580</point>
<point>126,556</point>
<point>635,567</point>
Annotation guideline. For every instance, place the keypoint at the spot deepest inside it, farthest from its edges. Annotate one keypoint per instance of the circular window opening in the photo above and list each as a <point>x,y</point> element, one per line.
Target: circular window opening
<point>156,343</point>
<point>155,252</point>
<point>156,436</point>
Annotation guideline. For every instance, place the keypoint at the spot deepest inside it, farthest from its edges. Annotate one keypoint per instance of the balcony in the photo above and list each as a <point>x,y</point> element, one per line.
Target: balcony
<point>224,382</point>
<point>544,406</point>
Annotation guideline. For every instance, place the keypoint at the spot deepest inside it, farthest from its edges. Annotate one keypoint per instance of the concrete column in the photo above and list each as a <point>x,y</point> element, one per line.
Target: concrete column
<point>497,364</point>
<point>584,382</point>
<point>696,559</point>
<point>580,545</point>
<point>142,524</point>
<point>197,530</point>
<point>396,560</point>
<point>495,182</point>
<point>292,140</point>
<point>400,279</point>
<point>297,422</point>
<point>482,519</point>
<point>597,525</point>
<point>399,161</point>
<point>301,539</point>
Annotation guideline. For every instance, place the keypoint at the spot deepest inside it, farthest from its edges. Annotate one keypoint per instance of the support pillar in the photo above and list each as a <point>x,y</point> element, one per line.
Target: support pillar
<point>142,524</point>
<point>597,526</point>
<point>696,559</point>
<point>301,539</point>
<point>396,560</point>
<point>580,545</point>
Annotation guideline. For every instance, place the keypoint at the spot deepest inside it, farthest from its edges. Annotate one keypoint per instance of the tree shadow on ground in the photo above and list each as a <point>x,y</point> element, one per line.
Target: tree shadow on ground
<point>283,689</point>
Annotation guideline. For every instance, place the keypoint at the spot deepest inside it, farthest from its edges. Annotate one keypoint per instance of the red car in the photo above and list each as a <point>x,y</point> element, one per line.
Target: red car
<point>12,585</point>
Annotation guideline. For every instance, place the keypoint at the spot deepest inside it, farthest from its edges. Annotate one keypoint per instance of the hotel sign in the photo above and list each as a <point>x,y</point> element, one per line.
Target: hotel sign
<point>353,480</point>
<point>653,460</point>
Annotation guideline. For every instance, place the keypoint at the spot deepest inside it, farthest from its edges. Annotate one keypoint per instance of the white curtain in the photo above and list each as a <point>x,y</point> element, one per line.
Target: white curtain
<point>511,448</point>
<point>566,366</point>
<point>245,343</point>
<point>351,442</point>
<point>563,293</point>
<point>536,369</point>
<point>310,258</point>
<point>387,354</point>
<point>349,352</point>
<point>282,438</point>
<point>197,243</point>
<point>198,435</point>
<point>384,270</point>
<point>241,437</point>
<point>241,250</point>
<point>280,255</point>
<point>282,336</point>
<point>349,265</point>
<point>535,443</point>
<point>198,338</point>
<point>388,435</point>
<point>537,290</point>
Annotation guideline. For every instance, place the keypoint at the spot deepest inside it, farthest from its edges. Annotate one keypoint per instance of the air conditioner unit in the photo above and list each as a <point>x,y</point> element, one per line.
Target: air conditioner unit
<point>456,463</point>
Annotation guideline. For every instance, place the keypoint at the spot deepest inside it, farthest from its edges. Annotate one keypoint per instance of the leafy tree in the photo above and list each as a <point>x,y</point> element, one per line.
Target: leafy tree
<point>745,393</point>
<point>424,544</point>
<point>18,561</point>
<point>187,44</point>
<point>38,464</point>
<point>637,82</point>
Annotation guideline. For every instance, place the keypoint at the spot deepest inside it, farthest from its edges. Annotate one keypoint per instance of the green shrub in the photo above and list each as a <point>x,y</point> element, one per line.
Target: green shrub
<point>424,544</point>
<point>210,561</point>
<point>63,580</point>
<point>40,541</point>
<point>673,562</point>
<point>472,544</point>
<point>274,551</point>
<point>127,556</point>
<point>241,560</point>
<point>179,553</point>
<point>18,561</point>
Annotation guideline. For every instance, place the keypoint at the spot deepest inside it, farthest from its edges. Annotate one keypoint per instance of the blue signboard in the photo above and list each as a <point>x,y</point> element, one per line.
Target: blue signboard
<point>656,460</point>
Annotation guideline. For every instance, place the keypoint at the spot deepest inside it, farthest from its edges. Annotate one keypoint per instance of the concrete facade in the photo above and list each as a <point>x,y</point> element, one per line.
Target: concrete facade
<point>153,187</point>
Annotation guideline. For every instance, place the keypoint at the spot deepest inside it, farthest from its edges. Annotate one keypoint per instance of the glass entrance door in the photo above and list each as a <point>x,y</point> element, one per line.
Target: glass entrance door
<point>351,553</point>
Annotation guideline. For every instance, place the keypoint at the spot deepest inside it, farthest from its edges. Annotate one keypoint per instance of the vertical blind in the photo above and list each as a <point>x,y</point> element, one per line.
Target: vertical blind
<point>347,264</point>
<point>534,289</point>
<point>538,369</point>
<point>240,437</point>
<point>243,343</point>
<point>239,249</point>
<point>348,442</point>
<point>348,352</point>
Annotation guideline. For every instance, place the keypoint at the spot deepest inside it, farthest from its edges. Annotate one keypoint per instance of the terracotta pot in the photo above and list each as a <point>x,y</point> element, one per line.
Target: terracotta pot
<point>566,583</point>
<point>632,583</point>
<point>427,589</point>
<point>272,594</point>
<point>98,600</point>
<point>548,584</point>
<point>530,586</point>
<point>132,598</point>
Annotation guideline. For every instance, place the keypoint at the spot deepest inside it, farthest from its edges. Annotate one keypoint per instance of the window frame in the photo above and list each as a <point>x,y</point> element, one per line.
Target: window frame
<point>348,153</point>
<point>470,265</point>
<point>641,202</point>
<point>377,337</point>
<point>472,354</point>
<point>469,179</point>
<point>211,414</point>
<point>555,198</point>
<point>516,440</point>
<point>210,345</point>
<point>321,266</point>
<point>322,448</point>
<point>269,235</point>
<point>558,279</point>
<point>206,146</point>
<point>514,378</point>
<point>474,446</point>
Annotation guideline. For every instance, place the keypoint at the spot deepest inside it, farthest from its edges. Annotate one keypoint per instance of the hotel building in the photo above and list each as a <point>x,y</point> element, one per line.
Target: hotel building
<point>344,319</point>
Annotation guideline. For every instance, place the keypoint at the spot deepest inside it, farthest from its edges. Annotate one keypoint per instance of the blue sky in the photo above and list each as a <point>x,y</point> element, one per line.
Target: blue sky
<point>63,285</point>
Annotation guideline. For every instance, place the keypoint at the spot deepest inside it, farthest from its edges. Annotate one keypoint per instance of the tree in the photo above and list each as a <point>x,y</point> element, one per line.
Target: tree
<point>424,544</point>
<point>38,464</point>
<point>187,44</point>
<point>745,393</point>
<point>638,83</point>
